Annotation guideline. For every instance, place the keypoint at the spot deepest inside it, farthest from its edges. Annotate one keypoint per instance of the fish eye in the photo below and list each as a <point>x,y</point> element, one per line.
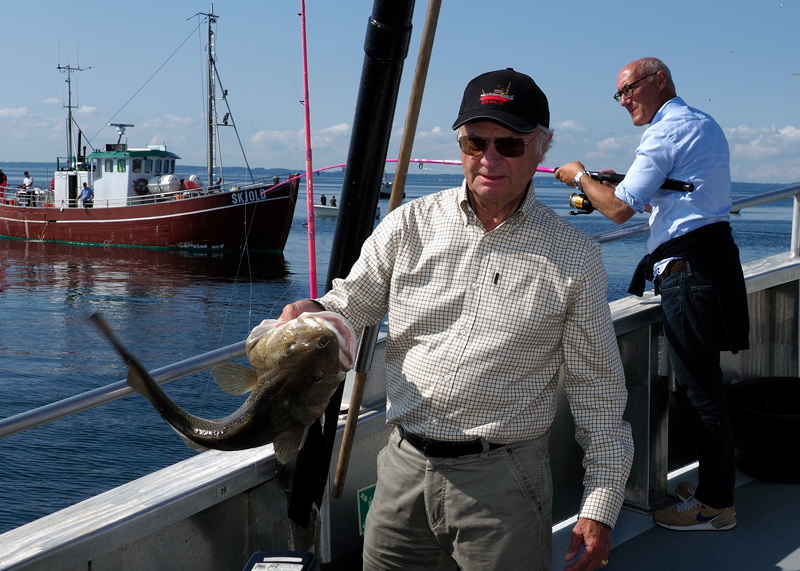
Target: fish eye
<point>323,342</point>
<point>318,377</point>
<point>289,349</point>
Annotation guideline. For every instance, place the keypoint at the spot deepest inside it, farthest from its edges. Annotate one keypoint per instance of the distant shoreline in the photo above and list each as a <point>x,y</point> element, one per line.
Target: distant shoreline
<point>261,172</point>
<point>258,172</point>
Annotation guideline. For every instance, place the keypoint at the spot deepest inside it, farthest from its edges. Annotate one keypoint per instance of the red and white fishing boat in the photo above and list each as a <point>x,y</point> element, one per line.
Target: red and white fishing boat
<point>139,200</point>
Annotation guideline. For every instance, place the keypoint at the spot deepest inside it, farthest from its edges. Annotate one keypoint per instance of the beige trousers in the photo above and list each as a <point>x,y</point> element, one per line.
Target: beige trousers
<point>483,512</point>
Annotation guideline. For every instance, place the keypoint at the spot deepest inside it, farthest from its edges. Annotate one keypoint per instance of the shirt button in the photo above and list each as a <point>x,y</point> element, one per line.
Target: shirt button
<point>463,332</point>
<point>434,421</point>
<point>447,377</point>
<point>474,286</point>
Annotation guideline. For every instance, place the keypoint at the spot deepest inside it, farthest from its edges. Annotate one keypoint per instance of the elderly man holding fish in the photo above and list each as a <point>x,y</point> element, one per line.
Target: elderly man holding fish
<point>487,309</point>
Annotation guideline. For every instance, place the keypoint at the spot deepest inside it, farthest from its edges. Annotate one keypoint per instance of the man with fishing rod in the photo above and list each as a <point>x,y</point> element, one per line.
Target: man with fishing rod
<point>694,265</point>
<point>487,310</point>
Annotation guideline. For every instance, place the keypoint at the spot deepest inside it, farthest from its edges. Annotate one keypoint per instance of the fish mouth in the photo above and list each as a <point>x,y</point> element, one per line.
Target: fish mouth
<point>339,325</point>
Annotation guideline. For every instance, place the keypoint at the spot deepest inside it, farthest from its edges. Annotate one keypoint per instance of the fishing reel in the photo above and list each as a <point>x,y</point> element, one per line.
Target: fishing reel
<point>581,203</point>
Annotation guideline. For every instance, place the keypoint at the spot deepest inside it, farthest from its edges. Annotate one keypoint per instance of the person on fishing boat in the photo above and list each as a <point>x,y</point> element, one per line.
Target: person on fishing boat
<point>86,196</point>
<point>3,183</point>
<point>27,181</point>
<point>694,264</point>
<point>322,200</point>
<point>333,201</point>
<point>487,309</point>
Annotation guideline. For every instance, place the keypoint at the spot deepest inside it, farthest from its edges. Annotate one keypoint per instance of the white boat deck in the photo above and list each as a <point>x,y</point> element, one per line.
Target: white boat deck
<point>766,537</point>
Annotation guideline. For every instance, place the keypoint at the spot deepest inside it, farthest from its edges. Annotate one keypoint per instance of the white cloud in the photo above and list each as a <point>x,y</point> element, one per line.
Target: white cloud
<point>51,101</point>
<point>570,125</point>
<point>609,144</point>
<point>764,154</point>
<point>86,110</point>
<point>13,113</point>
<point>337,136</point>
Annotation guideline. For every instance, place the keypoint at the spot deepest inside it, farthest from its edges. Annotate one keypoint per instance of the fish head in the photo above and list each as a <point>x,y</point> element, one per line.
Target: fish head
<point>308,356</point>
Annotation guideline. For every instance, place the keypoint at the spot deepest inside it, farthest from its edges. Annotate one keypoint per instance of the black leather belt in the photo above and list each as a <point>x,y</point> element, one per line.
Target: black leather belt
<point>437,449</point>
<point>672,267</point>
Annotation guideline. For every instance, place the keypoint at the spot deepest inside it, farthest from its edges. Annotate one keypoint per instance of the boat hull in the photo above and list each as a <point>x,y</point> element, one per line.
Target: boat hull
<point>257,217</point>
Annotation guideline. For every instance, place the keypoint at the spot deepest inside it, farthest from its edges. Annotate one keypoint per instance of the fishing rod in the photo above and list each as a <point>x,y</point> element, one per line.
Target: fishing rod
<point>581,203</point>
<point>312,252</point>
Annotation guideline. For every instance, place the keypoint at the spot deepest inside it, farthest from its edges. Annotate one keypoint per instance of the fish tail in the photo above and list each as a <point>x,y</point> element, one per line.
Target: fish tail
<point>137,374</point>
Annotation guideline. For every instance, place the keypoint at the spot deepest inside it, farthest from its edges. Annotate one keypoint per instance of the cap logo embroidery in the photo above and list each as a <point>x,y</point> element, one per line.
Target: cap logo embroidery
<point>498,96</point>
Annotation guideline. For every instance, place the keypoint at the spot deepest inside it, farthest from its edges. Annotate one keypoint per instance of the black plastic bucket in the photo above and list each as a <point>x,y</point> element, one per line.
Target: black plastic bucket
<point>765,418</point>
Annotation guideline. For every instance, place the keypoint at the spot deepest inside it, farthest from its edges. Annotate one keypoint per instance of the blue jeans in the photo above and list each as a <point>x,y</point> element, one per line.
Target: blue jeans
<point>693,327</point>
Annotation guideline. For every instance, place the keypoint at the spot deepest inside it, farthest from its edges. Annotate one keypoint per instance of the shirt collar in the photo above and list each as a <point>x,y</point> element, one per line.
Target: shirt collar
<point>674,102</point>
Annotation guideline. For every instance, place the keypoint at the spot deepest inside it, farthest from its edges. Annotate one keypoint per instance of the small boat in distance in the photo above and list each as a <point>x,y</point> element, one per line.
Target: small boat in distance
<point>325,211</point>
<point>328,211</point>
<point>139,201</point>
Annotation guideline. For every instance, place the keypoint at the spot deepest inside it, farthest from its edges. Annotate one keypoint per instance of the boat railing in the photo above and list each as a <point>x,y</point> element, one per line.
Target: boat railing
<point>736,208</point>
<point>40,197</point>
<point>82,402</point>
<point>37,197</point>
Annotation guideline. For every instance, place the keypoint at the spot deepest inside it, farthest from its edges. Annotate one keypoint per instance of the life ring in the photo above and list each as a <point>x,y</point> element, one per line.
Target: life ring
<point>140,186</point>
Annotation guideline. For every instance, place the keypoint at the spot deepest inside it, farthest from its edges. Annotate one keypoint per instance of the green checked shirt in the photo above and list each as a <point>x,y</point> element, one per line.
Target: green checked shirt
<point>482,323</point>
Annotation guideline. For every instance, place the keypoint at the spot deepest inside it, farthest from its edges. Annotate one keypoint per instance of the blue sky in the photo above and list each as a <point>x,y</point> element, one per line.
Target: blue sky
<point>735,59</point>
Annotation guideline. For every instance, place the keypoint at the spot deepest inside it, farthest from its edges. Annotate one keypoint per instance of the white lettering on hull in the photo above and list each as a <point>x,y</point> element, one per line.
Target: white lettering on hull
<point>245,196</point>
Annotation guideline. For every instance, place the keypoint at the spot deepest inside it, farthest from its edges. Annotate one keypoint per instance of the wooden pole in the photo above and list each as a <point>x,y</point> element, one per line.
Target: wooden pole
<point>312,240</point>
<point>398,186</point>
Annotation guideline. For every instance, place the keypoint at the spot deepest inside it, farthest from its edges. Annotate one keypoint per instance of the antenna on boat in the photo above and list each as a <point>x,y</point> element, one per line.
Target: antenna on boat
<point>212,19</point>
<point>120,129</point>
<point>68,69</point>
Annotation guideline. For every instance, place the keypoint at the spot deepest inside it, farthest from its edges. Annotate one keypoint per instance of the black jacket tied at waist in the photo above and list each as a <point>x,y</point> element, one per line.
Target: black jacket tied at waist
<point>710,249</point>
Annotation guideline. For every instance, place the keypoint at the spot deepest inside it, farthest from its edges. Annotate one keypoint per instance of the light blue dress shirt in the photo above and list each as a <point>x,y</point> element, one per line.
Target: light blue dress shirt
<point>685,144</point>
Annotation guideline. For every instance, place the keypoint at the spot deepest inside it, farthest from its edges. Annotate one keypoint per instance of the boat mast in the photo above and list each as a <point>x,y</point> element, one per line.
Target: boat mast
<point>212,113</point>
<point>68,70</point>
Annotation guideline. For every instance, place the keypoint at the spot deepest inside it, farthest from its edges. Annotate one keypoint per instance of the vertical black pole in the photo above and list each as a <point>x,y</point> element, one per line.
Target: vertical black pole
<point>385,49</point>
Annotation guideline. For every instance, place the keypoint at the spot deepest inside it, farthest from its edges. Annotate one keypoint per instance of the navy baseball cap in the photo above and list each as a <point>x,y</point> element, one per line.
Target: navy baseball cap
<point>507,97</point>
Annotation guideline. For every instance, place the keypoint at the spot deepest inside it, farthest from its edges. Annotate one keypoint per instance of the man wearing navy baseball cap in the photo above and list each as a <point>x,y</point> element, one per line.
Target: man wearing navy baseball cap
<point>487,310</point>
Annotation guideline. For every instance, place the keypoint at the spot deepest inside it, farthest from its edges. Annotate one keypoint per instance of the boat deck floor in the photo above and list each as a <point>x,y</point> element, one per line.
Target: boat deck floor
<point>767,535</point>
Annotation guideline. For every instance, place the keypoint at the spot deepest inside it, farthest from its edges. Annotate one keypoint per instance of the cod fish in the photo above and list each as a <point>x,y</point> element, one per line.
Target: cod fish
<point>296,369</point>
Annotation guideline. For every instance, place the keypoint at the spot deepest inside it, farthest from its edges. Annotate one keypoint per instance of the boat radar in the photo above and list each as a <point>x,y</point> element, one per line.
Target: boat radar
<point>120,129</point>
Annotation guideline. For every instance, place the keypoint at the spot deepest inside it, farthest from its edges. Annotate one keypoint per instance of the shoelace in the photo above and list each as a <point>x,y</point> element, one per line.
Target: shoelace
<point>689,504</point>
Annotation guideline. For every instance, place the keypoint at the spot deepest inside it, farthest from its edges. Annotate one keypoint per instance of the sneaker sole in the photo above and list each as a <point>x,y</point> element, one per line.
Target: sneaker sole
<point>721,525</point>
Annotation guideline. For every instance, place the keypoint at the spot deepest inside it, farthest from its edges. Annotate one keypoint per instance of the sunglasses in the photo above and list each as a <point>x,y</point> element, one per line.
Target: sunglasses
<point>506,146</point>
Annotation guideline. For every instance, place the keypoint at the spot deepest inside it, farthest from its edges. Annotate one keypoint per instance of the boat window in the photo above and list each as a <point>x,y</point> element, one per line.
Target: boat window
<point>158,165</point>
<point>148,165</point>
<point>170,167</point>
<point>121,165</point>
<point>97,171</point>
<point>109,165</point>
<point>137,165</point>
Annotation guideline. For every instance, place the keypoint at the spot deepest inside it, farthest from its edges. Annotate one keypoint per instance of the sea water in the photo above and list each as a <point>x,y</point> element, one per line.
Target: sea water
<point>167,306</point>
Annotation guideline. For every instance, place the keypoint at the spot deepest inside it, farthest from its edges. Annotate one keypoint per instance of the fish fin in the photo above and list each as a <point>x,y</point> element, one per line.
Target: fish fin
<point>287,443</point>
<point>190,443</point>
<point>234,379</point>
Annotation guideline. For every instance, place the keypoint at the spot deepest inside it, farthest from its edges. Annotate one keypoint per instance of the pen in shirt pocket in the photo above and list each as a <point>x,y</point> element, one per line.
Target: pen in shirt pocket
<point>496,278</point>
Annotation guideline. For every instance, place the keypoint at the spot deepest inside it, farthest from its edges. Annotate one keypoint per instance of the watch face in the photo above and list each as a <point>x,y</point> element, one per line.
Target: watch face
<point>577,180</point>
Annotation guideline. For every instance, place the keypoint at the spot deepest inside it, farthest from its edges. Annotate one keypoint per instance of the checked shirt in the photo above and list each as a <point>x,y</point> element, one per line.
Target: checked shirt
<point>481,324</point>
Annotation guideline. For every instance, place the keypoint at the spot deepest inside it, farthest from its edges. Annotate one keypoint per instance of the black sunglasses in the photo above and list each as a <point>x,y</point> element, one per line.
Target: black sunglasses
<point>628,90</point>
<point>507,146</point>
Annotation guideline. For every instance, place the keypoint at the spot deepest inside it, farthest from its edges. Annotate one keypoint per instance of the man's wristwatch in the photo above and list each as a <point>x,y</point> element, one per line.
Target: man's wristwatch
<point>577,180</point>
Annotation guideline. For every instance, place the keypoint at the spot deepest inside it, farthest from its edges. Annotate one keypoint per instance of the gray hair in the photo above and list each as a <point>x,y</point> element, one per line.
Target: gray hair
<point>652,65</point>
